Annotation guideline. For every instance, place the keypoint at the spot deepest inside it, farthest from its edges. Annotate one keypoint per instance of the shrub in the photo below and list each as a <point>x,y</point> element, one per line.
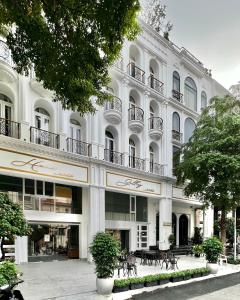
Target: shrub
<point>178,274</point>
<point>231,260</point>
<point>197,250</point>
<point>197,238</point>
<point>151,278</point>
<point>122,282</point>
<point>105,251</point>
<point>137,280</point>
<point>212,247</point>
<point>8,272</point>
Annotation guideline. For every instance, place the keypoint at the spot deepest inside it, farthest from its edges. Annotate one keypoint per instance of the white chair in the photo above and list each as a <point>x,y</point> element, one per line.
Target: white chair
<point>222,259</point>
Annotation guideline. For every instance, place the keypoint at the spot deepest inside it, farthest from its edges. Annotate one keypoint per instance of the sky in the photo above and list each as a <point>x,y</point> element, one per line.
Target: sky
<point>210,30</point>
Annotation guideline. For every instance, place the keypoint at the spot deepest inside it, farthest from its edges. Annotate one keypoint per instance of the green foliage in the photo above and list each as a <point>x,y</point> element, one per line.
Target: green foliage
<point>172,239</point>
<point>70,43</point>
<point>8,272</point>
<point>197,238</point>
<point>122,282</point>
<point>212,247</point>
<point>211,159</point>
<point>137,280</point>
<point>105,250</point>
<point>151,278</point>
<point>233,261</point>
<point>197,250</point>
<point>12,221</point>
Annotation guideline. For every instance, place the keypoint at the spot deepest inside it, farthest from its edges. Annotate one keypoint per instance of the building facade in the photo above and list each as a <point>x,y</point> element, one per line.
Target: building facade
<point>112,171</point>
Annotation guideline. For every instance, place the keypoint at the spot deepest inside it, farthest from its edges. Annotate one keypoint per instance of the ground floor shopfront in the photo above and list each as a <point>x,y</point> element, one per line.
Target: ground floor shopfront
<point>66,203</point>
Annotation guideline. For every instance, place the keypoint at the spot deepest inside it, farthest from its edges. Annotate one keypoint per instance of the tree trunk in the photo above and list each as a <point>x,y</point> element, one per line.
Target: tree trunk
<point>2,250</point>
<point>223,230</point>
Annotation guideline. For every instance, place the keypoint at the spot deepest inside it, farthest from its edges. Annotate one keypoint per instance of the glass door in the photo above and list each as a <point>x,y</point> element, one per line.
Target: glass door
<point>142,236</point>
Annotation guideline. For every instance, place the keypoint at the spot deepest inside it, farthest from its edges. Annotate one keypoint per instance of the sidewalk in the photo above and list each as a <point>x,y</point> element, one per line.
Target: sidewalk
<point>76,280</point>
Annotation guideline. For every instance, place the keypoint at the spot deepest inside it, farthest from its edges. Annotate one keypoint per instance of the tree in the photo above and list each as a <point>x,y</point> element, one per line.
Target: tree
<point>154,14</point>
<point>12,221</point>
<point>210,168</point>
<point>70,43</point>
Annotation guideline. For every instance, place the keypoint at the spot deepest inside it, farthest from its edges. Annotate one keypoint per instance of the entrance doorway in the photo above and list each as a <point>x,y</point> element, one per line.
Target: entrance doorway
<point>183,230</point>
<point>53,242</point>
<point>122,236</point>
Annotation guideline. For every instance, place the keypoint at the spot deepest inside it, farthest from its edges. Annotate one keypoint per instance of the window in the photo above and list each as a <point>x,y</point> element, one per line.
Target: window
<point>151,158</point>
<point>109,146</point>
<point>176,122</point>
<point>203,100</point>
<point>42,119</point>
<point>190,94</point>
<point>151,118</point>
<point>189,127</point>
<point>132,154</point>
<point>141,209</point>
<point>176,81</point>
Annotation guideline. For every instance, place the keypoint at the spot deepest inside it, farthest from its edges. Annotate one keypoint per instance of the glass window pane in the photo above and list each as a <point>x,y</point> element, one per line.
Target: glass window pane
<point>49,188</point>
<point>39,187</point>
<point>47,204</point>
<point>141,209</point>
<point>29,187</point>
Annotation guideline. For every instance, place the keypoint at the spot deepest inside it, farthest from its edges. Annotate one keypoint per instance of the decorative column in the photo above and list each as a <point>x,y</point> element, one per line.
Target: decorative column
<point>208,219</point>
<point>124,143</point>
<point>165,222</point>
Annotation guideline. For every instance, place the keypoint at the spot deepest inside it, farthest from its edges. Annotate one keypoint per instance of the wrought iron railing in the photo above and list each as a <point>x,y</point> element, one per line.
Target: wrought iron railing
<point>155,84</point>
<point>78,147</point>
<point>115,104</point>
<point>43,137</point>
<point>5,53</point>
<point>136,163</point>
<point>136,72</point>
<point>136,114</point>
<point>176,135</point>
<point>155,123</point>
<point>156,168</point>
<point>113,156</point>
<point>10,128</point>
<point>177,95</point>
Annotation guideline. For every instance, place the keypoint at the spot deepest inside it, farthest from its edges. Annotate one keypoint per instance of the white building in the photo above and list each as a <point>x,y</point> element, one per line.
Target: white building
<point>113,171</point>
<point>235,90</point>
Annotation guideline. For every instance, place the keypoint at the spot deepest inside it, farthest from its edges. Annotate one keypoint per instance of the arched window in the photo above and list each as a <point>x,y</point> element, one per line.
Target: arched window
<point>203,100</point>
<point>75,129</point>
<point>176,122</point>
<point>190,94</point>
<point>5,107</point>
<point>151,120</point>
<point>151,158</point>
<point>109,146</point>
<point>41,134</point>
<point>176,81</point>
<point>42,119</point>
<point>132,154</point>
<point>189,127</point>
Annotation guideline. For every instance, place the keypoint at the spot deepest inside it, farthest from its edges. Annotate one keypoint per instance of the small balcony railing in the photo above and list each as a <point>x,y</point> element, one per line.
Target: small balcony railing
<point>177,95</point>
<point>78,147</point>
<point>156,168</point>
<point>5,53</point>
<point>9,128</point>
<point>155,123</point>
<point>136,72</point>
<point>115,104</point>
<point>155,84</point>
<point>113,156</point>
<point>136,163</point>
<point>43,137</point>
<point>136,114</point>
<point>176,135</point>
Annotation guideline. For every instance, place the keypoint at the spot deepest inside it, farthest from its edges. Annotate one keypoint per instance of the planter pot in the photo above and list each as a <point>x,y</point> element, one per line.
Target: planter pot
<point>177,279</point>
<point>187,277</point>
<point>196,275</point>
<point>117,289</point>
<point>135,286</point>
<point>197,255</point>
<point>205,274</point>
<point>152,283</point>
<point>213,268</point>
<point>104,285</point>
<point>164,281</point>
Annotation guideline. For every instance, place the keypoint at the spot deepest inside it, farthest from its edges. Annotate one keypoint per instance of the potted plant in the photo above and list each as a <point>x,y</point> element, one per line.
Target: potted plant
<point>164,278</point>
<point>197,250</point>
<point>121,285</point>
<point>151,280</point>
<point>137,283</point>
<point>172,240</point>
<point>204,271</point>
<point>8,273</point>
<point>187,274</point>
<point>212,247</point>
<point>105,251</point>
<point>177,276</point>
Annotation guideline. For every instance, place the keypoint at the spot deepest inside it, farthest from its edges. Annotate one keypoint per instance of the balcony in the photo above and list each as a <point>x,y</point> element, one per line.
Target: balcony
<point>155,127</point>
<point>136,163</point>
<point>5,54</point>
<point>113,156</point>
<point>118,63</point>
<point>78,147</point>
<point>136,72</point>
<point>43,137</point>
<point>136,119</point>
<point>156,168</point>
<point>113,110</point>
<point>10,128</point>
<point>155,84</point>
<point>176,136</point>
<point>177,96</point>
